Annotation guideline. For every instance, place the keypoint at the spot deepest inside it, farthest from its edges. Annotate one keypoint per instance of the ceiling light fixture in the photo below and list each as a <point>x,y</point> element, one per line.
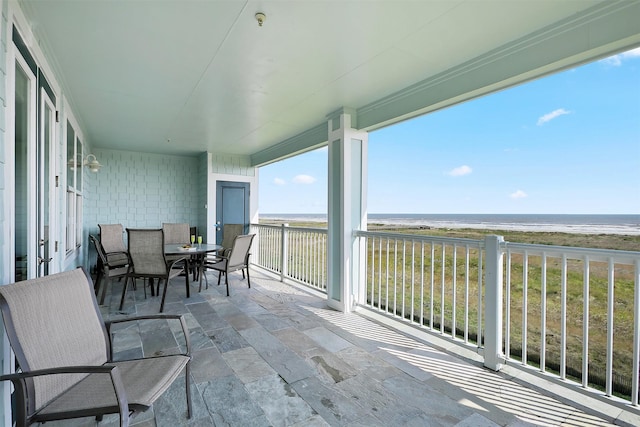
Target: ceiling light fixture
<point>261,17</point>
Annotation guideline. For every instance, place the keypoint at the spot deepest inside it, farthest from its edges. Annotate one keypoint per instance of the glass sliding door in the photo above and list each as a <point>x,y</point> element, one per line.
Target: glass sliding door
<point>34,135</point>
<point>24,143</point>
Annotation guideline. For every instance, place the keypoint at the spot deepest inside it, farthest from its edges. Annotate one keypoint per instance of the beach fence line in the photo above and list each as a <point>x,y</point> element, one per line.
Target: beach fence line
<point>522,302</point>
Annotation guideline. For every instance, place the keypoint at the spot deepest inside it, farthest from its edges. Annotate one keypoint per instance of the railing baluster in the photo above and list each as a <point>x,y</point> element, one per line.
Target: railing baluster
<point>454,291</point>
<point>413,257</point>
<point>404,257</point>
<point>284,252</point>
<point>525,291</point>
<point>479,342</point>
<point>314,246</point>
<point>293,261</point>
<point>610,305</point>
<point>466,297</point>
<point>563,318</point>
<point>636,337</point>
<point>543,314</point>
<point>431,302</point>
<point>507,297</point>
<point>276,247</point>
<point>373,269</point>
<point>585,324</point>
<point>442,289</point>
<point>422,284</point>
<point>386,304</point>
<point>379,273</point>
<point>395,277</point>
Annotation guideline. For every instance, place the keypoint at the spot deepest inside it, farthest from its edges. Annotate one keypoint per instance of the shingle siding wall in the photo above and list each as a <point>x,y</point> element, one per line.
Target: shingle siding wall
<point>233,165</point>
<point>141,190</point>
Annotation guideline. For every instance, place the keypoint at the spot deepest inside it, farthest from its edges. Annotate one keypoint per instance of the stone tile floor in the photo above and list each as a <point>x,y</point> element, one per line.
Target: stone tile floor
<point>275,355</point>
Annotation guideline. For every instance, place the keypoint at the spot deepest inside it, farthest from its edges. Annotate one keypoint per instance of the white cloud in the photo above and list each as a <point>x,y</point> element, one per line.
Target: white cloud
<point>304,179</point>
<point>279,181</point>
<point>552,115</point>
<point>519,194</point>
<point>460,171</point>
<point>616,60</point>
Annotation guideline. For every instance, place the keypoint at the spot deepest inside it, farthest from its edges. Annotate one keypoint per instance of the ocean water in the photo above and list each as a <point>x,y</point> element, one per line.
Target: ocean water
<point>580,224</point>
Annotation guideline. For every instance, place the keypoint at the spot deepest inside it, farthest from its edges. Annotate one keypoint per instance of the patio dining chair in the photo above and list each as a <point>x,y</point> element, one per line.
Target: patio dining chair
<point>111,238</point>
<point>236,259</point>
<point>148,261</point>
<point>107,269</point>
<point>63,349</point>
<point>179,233</point>
<point>229,233</point>
<point>176,233</point>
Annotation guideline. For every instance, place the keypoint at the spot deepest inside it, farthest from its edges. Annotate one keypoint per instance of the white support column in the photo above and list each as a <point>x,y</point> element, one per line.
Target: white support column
<point>347,211</point>
<point>493,354</point>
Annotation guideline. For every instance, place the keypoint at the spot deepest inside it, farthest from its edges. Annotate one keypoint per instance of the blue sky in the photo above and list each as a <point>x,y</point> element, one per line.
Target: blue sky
<point>566,143</point>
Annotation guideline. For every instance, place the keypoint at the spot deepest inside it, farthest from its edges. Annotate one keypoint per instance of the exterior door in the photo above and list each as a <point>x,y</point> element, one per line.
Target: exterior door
<point>24,91</point>
<point>46,188</point>
<point>232,205</point>
<point>34,145</point>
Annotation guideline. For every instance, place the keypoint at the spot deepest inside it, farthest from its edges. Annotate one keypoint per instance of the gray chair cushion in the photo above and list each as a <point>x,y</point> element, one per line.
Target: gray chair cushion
<point>144,380</point>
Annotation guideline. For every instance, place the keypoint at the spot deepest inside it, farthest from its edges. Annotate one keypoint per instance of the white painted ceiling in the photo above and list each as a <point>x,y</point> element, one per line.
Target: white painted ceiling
<point>183,77</point>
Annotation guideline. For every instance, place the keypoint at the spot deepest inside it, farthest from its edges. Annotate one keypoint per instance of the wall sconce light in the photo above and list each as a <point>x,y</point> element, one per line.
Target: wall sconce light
<point>93,163</point>
<point>90,161</point>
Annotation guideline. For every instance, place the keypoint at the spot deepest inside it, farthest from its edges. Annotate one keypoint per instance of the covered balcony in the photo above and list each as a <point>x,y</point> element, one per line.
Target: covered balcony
<point>141,113</point>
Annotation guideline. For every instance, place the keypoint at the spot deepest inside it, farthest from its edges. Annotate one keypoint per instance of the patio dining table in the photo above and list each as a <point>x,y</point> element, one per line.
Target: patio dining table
<point>195,251</point>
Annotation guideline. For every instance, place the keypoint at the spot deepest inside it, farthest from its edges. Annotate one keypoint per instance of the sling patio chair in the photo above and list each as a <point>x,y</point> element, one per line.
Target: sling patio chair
<point>148,261</point>
<point>237,259</point>
<point>64,352</point>
<point>107,270</point>
<point>180,233</point>
<point>229,233</point>
<point>111,238</point>
<point>176,233</point>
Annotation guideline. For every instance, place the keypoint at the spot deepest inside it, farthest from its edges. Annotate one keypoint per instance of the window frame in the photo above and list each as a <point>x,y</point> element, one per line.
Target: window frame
<point>74,186</point>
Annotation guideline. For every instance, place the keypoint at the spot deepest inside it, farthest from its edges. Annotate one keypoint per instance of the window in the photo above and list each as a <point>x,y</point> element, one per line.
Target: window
<point>74,190</point>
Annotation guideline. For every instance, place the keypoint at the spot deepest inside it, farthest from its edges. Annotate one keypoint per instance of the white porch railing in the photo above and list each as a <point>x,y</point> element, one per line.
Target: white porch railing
<point>585,328</point>
<point>295,253</point>
<point>536,315</point>
<point>434,282</point>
